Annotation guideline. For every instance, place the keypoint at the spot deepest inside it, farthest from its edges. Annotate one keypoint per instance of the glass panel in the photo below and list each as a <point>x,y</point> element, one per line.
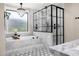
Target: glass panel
<point>54,11</point>
<point>54,31</point>
<point>54,40</point>
<point>35,16</point>
<point>35,23</point>
<point>39,15</point>
<point>44,29</point>
<point>49,12</point>
<point>59,39</point>
<point>48,16</point>
<point>34,28</point>
<point>39,28</point>
<point>44,12</point>
<point>59,21</point>
<point>59,11</point>
<point>54,21</point>
<point>48,22</point>
<point>59,30</point>
<point>44,22</point>
<point>38,23</point>
<point>44,17</point>
<point>48,29</point>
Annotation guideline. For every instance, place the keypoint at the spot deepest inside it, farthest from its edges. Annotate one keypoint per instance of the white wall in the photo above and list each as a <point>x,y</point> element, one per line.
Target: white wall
<point>71,24</point>
<point>2,37</point>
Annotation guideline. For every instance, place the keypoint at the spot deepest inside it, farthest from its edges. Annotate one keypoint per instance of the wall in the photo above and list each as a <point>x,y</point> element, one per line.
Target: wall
<point>2,38</point>
<point>71,24</point>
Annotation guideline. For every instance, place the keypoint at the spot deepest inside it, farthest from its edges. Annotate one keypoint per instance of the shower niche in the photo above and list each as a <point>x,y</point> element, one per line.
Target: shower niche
<point>50,19</point>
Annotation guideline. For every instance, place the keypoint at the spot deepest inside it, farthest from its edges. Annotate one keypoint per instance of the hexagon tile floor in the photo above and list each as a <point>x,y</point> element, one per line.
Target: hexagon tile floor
<point>42,51</point>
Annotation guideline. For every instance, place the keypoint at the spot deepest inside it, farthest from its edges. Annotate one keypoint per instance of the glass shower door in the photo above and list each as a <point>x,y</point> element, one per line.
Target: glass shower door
<point>60,26</point>
<point>57,25</point>
<point>54,24</point>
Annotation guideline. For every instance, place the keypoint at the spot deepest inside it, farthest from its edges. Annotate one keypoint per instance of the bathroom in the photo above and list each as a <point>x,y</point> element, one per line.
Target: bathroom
<point>48,30</point>
<point>28,39</point>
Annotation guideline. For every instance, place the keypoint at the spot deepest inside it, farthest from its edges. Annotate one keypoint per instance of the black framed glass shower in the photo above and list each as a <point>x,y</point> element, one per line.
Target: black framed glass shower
<point>58,24</point>
<point>50,19</point>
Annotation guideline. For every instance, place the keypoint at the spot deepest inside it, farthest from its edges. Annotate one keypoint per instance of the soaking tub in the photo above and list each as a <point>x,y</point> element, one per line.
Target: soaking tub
<point>26,41</point>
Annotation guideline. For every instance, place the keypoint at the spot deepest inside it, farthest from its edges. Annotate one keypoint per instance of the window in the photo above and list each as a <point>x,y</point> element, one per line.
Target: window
<point>16,23</point>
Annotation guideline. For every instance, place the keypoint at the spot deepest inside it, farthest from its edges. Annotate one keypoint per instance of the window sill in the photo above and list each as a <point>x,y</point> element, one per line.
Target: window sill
<point>20,33</point>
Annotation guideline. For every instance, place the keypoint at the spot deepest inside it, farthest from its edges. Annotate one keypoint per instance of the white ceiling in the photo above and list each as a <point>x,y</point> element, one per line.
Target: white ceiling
<point>28,5</point>
<point>35,6</point>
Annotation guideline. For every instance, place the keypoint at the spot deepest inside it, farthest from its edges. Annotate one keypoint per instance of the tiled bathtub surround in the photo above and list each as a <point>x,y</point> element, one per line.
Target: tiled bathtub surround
<point>69,48</point>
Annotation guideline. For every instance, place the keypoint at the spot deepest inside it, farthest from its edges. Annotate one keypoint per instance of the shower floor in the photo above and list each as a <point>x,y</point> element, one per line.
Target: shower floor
<point>34,51</point>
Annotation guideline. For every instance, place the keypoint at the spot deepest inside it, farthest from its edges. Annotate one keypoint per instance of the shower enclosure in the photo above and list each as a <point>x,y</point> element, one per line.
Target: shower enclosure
<point>50,19</point>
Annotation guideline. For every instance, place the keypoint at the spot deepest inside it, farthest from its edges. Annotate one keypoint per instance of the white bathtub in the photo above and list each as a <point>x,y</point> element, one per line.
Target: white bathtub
<point>22,42</point>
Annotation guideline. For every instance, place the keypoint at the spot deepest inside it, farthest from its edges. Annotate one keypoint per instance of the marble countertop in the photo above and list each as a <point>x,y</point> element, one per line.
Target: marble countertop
<point>70,48</point>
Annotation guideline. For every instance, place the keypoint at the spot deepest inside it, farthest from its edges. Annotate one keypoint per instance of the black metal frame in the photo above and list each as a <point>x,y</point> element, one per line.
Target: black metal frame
<point>57,7</point>
<point>51,18</point>
<point>56,26</point>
